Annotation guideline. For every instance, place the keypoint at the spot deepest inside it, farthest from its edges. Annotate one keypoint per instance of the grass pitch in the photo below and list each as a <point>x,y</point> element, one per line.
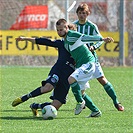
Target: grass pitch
<point>16,81</point>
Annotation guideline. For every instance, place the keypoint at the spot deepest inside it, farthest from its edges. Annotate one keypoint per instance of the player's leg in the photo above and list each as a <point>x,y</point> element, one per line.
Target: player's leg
<point>35,106</point>
<point>39,91</point>
<point>95,112</point>
<point>111,92</point>
<point>59,97</point>
<point>46,87</point>
<point>77,94</point>
<point>75,89</point>
<point>60,93</point>
<point>57,104</point>
<point>82,74</point>
<point>108,87</point>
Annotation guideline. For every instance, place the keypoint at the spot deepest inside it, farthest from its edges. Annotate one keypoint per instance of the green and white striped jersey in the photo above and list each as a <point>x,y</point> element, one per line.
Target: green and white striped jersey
<point>75,43</point>
<point>89,28</point>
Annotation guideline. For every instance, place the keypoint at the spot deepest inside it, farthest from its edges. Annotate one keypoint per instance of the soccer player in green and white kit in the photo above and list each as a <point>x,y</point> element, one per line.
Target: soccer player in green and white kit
<point>75,43</point>
<point>85,26</point>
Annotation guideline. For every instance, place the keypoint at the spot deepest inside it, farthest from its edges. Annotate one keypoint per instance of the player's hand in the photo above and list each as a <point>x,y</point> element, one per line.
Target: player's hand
<point>108,39</point>
<point>20,38</point>
<point>91,48</point>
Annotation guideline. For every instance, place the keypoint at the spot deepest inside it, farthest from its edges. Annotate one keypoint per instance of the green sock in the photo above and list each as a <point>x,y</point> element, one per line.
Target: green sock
<point>110,91</point>
<point>89,103</point>
<point>77,92</point>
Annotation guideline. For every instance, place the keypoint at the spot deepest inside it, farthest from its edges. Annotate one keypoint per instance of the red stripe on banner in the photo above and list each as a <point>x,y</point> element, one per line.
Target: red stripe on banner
<point>32,17</point>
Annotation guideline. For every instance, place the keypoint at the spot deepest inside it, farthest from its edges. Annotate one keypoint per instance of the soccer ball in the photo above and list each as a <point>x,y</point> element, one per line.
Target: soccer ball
<point>49,112</point>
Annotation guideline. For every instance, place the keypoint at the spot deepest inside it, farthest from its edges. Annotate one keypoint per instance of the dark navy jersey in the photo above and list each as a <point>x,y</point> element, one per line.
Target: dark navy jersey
<point>64,62</point>
<point>59,73</point>
<point>63,55</point>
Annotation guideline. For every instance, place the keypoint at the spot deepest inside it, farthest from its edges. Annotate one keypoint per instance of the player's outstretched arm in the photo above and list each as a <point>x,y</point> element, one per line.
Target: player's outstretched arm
<point>40,41</point>
<point>25,39</point>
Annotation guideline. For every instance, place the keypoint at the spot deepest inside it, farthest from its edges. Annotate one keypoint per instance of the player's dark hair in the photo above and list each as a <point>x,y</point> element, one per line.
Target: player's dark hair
<point>62,20</point>
<point>83,7</point>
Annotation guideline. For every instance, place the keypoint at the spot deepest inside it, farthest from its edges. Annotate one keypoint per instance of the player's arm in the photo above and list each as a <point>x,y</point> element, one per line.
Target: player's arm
<point>90,38</point>
<point>97,44</point>
<point>97,38</point>
<point>47,42</point>
<point>32,40</point>
<point>40,41</point>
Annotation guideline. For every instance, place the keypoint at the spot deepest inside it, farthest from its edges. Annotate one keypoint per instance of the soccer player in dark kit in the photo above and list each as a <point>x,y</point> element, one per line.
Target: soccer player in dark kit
<point>57,78</point>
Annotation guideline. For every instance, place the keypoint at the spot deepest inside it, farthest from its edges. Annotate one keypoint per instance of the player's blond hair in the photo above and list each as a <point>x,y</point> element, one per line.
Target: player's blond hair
<point>83,7</point>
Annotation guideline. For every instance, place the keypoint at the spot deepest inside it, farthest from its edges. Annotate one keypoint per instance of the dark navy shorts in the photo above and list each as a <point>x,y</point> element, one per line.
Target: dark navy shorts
<point>61,87</point>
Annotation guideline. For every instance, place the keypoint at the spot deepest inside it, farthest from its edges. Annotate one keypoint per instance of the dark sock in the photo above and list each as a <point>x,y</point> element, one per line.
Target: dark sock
<point>35,106</point>
<point>34,93</point>
<point>44,104</point>
<point>24,98</point>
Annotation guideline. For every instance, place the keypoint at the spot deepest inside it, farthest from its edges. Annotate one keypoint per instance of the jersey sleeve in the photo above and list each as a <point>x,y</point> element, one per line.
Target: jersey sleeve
<point>72,37</point>
<point>90,38</point>
<point>96,32</point>
<point>46,42</point>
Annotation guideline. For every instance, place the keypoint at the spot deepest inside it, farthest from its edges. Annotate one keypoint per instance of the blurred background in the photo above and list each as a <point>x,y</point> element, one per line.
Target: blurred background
<point>105,13</point>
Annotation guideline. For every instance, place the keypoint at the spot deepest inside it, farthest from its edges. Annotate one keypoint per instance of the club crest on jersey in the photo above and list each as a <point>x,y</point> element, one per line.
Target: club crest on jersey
<point>55,78</point>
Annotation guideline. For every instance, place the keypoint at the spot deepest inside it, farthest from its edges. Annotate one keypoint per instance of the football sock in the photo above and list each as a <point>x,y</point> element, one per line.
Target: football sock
<point>40,106</point>
<point>110,91</point>
<point>44,104</point>
<point>34,93</point>
<point>35,105</point>
<point>89,103</point>
<point>77,92</point>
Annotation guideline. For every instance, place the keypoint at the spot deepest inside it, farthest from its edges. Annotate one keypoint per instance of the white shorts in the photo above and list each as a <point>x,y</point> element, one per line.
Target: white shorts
<point>84,85</point>
<point>87,72</point>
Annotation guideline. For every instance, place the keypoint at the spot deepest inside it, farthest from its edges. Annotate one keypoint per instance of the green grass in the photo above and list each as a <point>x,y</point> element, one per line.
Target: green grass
<point>16,81</point>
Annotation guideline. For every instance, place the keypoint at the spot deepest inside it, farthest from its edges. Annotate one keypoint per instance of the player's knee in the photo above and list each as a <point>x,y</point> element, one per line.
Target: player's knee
<point>102,80</point>
<point>47,88</point>
<point>71,80</point>
<point>83,92</point>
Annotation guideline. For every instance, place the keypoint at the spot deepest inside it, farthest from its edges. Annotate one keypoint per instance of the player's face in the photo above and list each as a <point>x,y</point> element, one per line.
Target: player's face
<point>62,30</point>
<point>82,15</point>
